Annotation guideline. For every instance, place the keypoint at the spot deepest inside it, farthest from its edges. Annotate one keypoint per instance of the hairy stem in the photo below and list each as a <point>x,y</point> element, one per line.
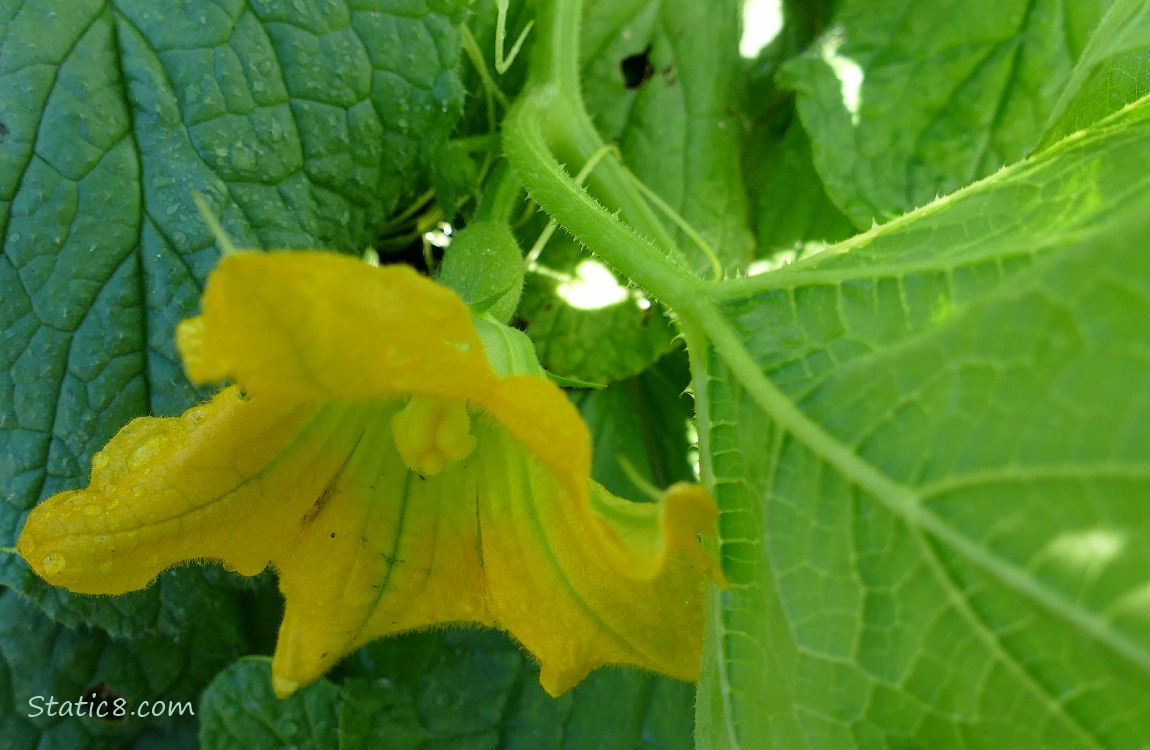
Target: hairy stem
<point>566,127</point>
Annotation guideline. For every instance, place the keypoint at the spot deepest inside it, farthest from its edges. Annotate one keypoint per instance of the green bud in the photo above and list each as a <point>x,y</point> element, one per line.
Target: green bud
<point>485,267</point>
<point>509,351</point>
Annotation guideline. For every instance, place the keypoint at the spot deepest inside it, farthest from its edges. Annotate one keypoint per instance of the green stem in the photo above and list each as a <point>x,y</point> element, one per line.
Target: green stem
<point>634,256</point>
<point>567,128</point>
<point>501,195</point>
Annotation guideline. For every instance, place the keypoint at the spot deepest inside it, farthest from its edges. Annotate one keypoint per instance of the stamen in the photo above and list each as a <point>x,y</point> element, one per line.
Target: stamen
<point>431,432</point>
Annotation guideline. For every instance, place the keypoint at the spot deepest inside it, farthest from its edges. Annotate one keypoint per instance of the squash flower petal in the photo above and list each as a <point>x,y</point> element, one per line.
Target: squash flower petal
<point>393,478</point>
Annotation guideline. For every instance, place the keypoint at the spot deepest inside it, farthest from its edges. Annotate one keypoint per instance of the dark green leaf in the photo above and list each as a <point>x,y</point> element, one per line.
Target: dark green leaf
<point>239,710</point>
<point>66,664</point>
<point>299,123</point>
<point>643,420</point>
<point>454,690</point>
<point>793,208</point>
<point>585,323</point>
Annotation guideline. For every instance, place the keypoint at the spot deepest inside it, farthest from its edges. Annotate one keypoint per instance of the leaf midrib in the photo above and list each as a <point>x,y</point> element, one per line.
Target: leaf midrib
<point>903,501</point>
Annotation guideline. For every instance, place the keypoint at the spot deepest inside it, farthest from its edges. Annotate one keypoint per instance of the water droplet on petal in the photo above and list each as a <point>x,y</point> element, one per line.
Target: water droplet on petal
<point>52,565</point>
<point>105,567</point>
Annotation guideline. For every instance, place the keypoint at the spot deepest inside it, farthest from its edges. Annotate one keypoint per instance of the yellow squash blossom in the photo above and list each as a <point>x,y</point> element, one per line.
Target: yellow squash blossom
<point>395,479</point>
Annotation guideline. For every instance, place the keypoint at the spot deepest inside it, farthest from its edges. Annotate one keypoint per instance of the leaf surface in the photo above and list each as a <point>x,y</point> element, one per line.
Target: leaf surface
<point>460,689</point>
<point>299,125</point>
<point>930,450</point>
<point>660,82</point>
<point>905,101</point>
<point>66,663</point>
<point>1114,70</point>
<point>645,421</point>
<point>240,710</point>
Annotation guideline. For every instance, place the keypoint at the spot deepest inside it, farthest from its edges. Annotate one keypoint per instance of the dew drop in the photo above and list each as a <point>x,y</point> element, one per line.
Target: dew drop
<point>99,462</point>
<point>92,510</point>
<point>145,452</point>
<point>52,564</point>
<point>105,567</point>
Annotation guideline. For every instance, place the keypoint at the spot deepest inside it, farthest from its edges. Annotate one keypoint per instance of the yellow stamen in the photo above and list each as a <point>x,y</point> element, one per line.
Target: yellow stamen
<point>430,432</point>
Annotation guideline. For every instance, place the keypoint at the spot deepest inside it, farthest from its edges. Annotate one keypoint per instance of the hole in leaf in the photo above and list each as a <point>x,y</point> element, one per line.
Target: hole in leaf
<point>637,69</point>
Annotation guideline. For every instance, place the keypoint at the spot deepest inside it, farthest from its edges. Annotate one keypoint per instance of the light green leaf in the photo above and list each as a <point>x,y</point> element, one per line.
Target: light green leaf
<point>1114,71</point>
<point>905,101</point>
<point>299,123</point>
<point>930,448</point>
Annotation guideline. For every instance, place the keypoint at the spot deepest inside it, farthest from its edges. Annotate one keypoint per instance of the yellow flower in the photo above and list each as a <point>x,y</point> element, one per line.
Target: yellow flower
<point>395,479</point>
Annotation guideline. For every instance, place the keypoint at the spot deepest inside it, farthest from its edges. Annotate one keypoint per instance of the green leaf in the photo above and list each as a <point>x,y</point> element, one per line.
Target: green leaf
<point>793,208</point>
<point>586,324</point>
<point>67,664</point>
<point>475,689</point>
<point>299,124</point>
<point>645,421</point>
<point>375,713</point>
<point>678,131</point>
<point>803,20</point>
<point>674,119</point>
<point>790,204</point>
<point>453,690</point>
<point>905,101</point>
<point>1114,71</point>
<point>930,448</point>
<point>240,710</point>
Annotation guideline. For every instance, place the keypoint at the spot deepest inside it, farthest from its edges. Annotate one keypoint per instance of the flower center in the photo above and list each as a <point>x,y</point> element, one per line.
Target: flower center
<point>430,432</point>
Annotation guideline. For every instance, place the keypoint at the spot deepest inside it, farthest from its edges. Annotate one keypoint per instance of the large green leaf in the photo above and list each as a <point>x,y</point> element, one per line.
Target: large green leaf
<point>298,123</point>
<point>931,447</point>
<point>906,100</point>
<point>65,665</point>
<point>459,690</point>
